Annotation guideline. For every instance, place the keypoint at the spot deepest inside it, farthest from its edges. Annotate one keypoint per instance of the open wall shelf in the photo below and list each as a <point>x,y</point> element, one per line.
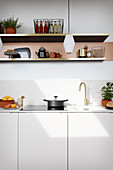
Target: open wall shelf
<point>51,59</point>
<point>22,38</point>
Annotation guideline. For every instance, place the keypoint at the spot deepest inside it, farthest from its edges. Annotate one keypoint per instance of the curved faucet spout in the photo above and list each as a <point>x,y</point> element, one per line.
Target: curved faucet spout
<point>85,99</point>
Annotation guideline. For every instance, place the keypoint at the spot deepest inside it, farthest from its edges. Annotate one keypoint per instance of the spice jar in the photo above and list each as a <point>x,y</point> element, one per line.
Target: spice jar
<point>52,54</point>
<point>51,31</point>
<point>59,27</point>
<point>57,55</point>
<point>55,27</point>
<point>41,27</point>
<point>88,54</point>
<point>36,27</point>
<point>45,27</point>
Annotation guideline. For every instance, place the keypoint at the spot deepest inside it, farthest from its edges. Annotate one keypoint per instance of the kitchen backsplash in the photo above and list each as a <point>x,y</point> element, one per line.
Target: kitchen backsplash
<point>36,90</point>
<point>58,48</point>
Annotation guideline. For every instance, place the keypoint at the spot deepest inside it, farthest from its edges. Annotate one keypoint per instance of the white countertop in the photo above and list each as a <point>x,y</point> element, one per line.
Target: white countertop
<point>68,109</point>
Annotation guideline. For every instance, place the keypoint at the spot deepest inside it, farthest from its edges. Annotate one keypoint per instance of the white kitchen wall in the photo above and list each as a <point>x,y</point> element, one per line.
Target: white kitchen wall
<point>87,16</point>
<point>28,10</point>
<point>37,90</point>
<point>56,70</point>
<point>92,16</point>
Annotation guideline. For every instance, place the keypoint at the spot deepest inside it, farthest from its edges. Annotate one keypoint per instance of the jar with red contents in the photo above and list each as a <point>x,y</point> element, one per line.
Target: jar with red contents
<point>41,27</point>
<point>36,27</point>
<point>45,27</point>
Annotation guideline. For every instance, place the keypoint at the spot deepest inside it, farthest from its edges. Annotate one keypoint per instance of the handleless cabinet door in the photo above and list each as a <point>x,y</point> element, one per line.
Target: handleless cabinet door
<point>8,141</point>
<point>42,143</point>
<point>91,141</point>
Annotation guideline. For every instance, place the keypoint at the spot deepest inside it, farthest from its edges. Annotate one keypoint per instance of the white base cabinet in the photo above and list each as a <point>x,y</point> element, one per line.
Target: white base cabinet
<point>91,141</point>
<point>42,141</point>
<point>38,141</point>
<point>8,141</point>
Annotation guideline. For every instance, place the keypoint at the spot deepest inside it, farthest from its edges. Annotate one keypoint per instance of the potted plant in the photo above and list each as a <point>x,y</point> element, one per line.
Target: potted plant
<point>107,93</point>
<point>11,25</point>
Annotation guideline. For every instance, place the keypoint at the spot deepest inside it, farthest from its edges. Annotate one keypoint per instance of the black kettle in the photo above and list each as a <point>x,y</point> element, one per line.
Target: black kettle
<point>42,53</point>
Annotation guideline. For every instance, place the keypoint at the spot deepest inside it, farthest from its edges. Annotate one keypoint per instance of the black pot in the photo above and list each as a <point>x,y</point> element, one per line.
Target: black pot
<point>55,103</point>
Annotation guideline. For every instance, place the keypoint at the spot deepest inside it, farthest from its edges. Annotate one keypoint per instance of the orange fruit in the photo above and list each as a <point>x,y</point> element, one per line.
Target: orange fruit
<point>7,97</point>
<point>8,106</point>
<point>10,98</point>
<point>4,98</point>
<point>13,105</point>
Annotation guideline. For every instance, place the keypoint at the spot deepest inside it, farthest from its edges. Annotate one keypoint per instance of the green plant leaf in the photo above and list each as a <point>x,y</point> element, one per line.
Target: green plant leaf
<point>11,22</point>
<point>107,91</point>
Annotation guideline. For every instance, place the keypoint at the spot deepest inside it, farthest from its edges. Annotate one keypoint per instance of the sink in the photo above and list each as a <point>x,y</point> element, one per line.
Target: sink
<point>89,108</point>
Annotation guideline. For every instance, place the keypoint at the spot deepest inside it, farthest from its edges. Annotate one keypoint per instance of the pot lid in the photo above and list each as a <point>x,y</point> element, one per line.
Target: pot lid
<point>55,99</point>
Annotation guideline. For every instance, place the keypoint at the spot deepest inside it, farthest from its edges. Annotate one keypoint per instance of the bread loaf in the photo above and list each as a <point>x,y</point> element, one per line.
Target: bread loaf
<point>110,104</point>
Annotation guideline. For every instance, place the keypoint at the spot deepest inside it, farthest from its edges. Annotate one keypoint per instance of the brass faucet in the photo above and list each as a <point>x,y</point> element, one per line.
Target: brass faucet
<point>86,102</point>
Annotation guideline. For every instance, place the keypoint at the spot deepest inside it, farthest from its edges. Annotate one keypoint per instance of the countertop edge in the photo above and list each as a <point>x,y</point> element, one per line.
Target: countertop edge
<point>61,112</point>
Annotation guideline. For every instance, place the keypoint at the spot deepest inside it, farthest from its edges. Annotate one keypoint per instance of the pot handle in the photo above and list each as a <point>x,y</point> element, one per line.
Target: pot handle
<point>65,100</point>
<point>45,100</point>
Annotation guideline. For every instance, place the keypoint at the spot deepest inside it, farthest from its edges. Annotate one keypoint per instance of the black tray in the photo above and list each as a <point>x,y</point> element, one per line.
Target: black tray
<point>24,52</point>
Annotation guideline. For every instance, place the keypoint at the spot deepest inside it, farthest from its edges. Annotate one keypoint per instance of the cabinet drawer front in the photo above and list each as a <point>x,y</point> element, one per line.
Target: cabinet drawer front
<point>43,141</point>
<point>8,141</point>
<point>91,141</point>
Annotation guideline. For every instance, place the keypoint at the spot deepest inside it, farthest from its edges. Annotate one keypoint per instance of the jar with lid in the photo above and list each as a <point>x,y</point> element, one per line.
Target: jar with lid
<point>82,53</point>
<point>52,54</point>
<point>59,27</point>
<point>58,55</point>
<point>45,27</point>
<point>51,29</point>
<point>55,27</point>
<point>36,27</point>
<point>89,54</point>
<point>41,27</point>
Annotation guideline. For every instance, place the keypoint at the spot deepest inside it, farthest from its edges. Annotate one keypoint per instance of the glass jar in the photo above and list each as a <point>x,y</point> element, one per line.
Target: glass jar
<point>55,27</point>
<point>98,52</point>
<point>51,30</point>
<point>59,27</point>
<point>89,54</point>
